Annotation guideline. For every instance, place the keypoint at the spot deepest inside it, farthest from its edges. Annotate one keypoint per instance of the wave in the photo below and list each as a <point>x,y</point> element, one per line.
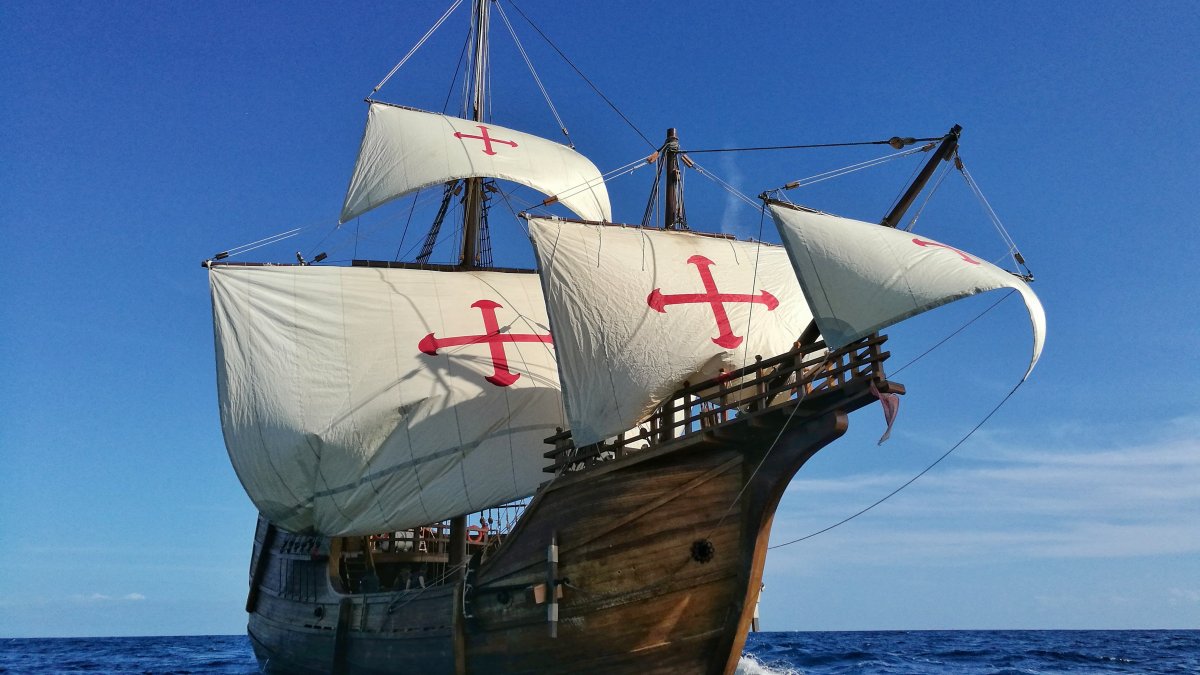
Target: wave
<point>749,665</point>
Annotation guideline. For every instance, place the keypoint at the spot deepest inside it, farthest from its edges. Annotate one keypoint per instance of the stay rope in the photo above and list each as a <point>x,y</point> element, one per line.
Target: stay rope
<point>532,71</point>
<point>582,76</point>
<point>911,480</point>
<point>417,46</point>
<point>944,455</point>
<point>851,168</point>
<point>799,399</point>
<point>894,142</point>
<point>928,195</point>
<point>728,188</point>
<point>1013,251</point>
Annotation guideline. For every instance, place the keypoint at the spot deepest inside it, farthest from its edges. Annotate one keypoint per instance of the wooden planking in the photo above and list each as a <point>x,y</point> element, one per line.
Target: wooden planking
<point>636,601</point>
<point>639,580</point>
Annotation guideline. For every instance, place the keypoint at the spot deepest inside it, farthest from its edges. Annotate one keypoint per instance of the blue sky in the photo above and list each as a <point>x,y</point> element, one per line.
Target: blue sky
<point>140,138</point>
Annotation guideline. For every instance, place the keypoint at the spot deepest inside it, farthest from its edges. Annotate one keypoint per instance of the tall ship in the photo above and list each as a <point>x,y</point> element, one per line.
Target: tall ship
<point>463,467</point>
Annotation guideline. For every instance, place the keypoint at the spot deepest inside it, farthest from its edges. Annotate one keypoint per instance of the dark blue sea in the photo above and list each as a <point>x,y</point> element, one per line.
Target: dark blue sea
<point>893,652</point>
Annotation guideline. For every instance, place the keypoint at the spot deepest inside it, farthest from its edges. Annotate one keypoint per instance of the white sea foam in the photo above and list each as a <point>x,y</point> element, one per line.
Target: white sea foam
<point>748,665</point>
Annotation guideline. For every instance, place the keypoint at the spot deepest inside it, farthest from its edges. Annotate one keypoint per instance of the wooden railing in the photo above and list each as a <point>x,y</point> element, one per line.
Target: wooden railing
<point>806,376</point>
<point>483,528</point>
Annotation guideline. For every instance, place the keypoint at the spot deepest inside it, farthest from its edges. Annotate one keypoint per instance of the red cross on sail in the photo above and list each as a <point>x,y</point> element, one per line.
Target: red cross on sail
<point>486,138</point>
<point>923,243</point>
<point>492,337</point>
<point>714,298</point>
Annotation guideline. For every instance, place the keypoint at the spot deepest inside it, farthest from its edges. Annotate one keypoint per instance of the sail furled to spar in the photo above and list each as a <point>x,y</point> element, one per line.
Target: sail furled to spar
<point>359,400</point>
<point>404,150</point>
<point>638,312</point>
<point>859,277</point>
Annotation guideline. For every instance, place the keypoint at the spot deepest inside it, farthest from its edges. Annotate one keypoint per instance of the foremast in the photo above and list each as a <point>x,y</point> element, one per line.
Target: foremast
<point>674,214</point>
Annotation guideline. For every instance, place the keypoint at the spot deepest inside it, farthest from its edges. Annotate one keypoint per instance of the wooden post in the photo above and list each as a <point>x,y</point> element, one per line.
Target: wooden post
<point>673,211</point>
<point>458,544</point>
<point>552,585</point>
<point>341,637</point>
<point>473,200</point>
<point>949,143</point>
<point>258,567</point>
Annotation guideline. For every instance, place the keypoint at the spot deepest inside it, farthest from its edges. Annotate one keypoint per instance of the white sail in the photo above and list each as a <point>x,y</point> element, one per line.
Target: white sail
<point>860,278</point>
<point>637,312</point>
<point>405,150</point>
<point>358,400</point>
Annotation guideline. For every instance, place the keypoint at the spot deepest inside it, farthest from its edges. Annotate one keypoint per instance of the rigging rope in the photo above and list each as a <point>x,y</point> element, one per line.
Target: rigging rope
<point>581,75</point>
<point>728,188</point>
<point>911,480</point>
<point>904,187</point>
<point>956,332</point>
<point>265,241</point>
<point>416,47</point>
<point>652,202</point>
<point>851,168</point>
<point>462,58</point>
<point>895,142</point>
<point>928,195</point>
<point>799,399</point>
<point>532,71</point>
<point>939,459</point>
<point>407,223</point>
<point>745,358</point>
<point>1013,251</point>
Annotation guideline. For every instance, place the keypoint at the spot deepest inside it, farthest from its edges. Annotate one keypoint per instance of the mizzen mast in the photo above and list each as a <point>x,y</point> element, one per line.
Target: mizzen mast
<point>673,218</point>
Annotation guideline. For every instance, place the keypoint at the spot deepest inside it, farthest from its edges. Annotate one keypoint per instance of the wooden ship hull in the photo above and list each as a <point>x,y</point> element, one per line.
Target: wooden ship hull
<point>642,553</point>
<point>661,541</point>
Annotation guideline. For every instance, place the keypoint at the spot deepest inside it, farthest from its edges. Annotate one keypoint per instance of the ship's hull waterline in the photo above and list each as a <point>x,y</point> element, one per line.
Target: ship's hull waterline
<point>637,595</point>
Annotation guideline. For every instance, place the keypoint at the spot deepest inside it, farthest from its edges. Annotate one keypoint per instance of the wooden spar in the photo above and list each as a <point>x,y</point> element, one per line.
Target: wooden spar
<point>472,219</point>
<point>341,636</point>
<point>552,585</point>
<point>949,144</point>
<point>473,199</point>
<point>943,153</point>
<point>673,216</point>
<point>458,544</point>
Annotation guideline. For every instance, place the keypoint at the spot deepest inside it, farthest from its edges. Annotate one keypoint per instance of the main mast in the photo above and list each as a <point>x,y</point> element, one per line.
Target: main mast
<point>473,223</point>
<point>473,206</point>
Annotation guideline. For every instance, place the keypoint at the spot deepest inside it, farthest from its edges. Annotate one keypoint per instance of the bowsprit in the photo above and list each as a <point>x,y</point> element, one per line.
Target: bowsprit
<point>492,337</point>
<point>715,299</point>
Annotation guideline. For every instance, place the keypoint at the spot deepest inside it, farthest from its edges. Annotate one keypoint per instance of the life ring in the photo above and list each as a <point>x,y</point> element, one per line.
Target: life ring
<point>476,533</point>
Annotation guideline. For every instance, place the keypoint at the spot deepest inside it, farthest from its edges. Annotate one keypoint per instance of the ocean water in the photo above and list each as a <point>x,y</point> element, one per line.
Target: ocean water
<point>891,652</point>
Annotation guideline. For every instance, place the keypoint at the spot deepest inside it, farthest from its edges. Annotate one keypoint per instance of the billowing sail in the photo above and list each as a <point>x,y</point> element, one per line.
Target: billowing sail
<point>637,312</point>
<point>405,150</point>
<point>358,400</point>
<point>860,278</point>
